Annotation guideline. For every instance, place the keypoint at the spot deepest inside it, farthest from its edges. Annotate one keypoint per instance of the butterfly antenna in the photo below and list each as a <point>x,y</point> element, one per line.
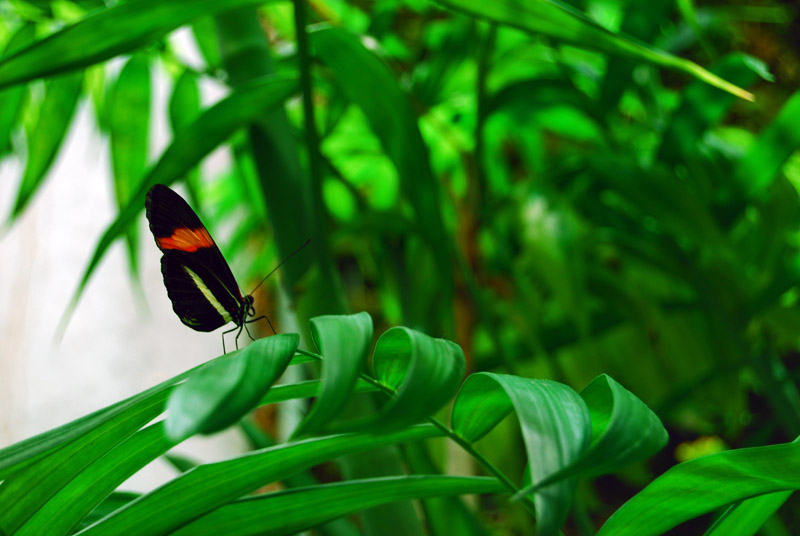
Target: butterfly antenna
<point>292,254</point>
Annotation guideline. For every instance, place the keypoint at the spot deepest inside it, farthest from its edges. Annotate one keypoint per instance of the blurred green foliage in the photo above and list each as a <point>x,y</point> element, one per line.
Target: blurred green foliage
<point>559,200</point>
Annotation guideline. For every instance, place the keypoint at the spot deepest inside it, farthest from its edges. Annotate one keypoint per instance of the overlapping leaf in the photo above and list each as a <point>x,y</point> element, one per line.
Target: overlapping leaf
<point>344,342</point>
<point>561,21</point>
<point>218,395</point>
<point>207,487</point>
<point>555,426</point>
<point>704,485</point>
<point>425,373</point>
<point>45,138</point>
<point>296,510</point>
<point>105,33</point>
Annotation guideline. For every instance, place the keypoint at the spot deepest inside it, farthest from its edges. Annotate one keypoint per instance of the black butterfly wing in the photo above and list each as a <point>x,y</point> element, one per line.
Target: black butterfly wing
<point>199,282</point>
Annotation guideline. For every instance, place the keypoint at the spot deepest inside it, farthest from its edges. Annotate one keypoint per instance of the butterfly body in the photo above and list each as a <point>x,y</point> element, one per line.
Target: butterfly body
<point>200,284</point>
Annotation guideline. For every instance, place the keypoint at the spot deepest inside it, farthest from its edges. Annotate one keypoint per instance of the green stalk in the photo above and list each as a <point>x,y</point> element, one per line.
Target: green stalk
<point>245,56</point>
<point>328,280</point>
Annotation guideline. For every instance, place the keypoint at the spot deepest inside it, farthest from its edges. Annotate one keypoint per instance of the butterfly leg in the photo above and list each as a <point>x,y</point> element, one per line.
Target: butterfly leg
<point>223,339</point>
<point>264,317</point>
<point>248,332</point>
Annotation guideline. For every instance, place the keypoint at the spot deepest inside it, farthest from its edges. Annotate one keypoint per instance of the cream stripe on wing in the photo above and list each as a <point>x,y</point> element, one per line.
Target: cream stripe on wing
<point>209,296</point>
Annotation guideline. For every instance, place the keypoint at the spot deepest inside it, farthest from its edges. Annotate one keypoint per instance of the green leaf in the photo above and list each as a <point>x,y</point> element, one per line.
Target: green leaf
<point>747,517</point>
<point>425,373</point>
<point>218,395</point>
<point>300,509</point>
<point>184,103</point>
<point>773,147</point>
<point>344,341</point>
<point>188,148</point>
<point>306,389</point>
<point>55,115</point>
<point>563,22</point>
<point>129,128</point>
<point>704,485</point>
<point>624,430</point>
<point>555,426</point>
<point>368,83</point>
<point>113,502</point>
<point>16,456</point>
<point>26,491</point>
<point>703,106</point>
<point>89,487</point>
<point>106,33</point>
<point>207,487</point>
<point>11,99</point>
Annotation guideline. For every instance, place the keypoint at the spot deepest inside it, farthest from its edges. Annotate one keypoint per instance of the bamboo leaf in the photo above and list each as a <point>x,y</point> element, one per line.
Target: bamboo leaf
<point>300,509</point>
<point>129,128</point>
<point>704,485</point>
<point>563,22</point>
<point>44,140</point>
<point>105,33</point>
<point>11,99</point>
<point>207,487</point>
<point>344,341</point>
<point>218,395</point>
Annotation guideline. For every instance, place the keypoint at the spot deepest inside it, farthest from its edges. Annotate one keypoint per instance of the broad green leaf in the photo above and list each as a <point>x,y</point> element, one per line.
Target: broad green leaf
<point>26,491</point>
<point>624,430</point>
<point>188,148</point>
<point>344,342</point>
<point>45,138</point>
<point>218,395</point>
<point>113,502</point>
<point>106,33</point>
<point>368,83</point>
<point>207,487</point>
<point>703,106</point>
<point>19,454</point>
<point>706,484</point>
<point>444,515</point>
<point>306,389</point>
<point>425,373</point>
<point>296,510</point>
<point>128,118</point>
<point>555,426</point>
<point>260,440</point>
<point>747,517</point>
<point>11,99</point>
<point>88,489</point>
<point>561,21</point>
<point>773,147</point>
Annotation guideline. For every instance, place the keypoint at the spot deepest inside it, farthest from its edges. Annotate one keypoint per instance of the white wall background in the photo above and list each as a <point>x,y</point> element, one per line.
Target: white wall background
<point>117,343</point>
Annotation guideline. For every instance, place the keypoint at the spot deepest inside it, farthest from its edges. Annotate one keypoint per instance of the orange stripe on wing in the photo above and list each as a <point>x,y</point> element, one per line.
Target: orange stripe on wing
<point>186,240</point>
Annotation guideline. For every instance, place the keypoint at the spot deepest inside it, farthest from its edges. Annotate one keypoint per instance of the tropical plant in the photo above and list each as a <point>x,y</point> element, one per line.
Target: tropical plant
<point>532,180</point>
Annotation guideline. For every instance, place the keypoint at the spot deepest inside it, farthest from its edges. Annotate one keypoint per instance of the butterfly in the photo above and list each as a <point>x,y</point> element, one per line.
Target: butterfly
<point>199,282</point>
